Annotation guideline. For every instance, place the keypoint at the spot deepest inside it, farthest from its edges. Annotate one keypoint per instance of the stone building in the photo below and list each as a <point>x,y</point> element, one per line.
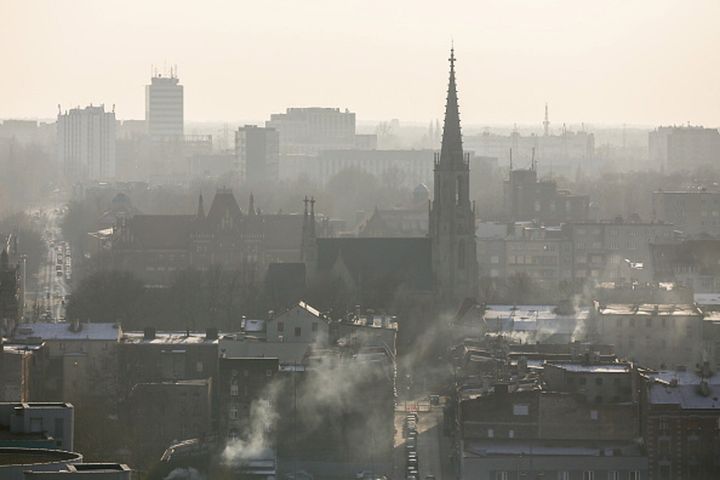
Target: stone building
<point>654,336</point>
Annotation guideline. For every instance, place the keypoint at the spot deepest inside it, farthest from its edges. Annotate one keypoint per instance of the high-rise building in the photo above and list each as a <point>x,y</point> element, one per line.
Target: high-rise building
<point>452,217</point>
<point>306,131</point>
<point>86,143</point>
<point>257,154</point>
<point>164,107</point>
<point>677,148</point>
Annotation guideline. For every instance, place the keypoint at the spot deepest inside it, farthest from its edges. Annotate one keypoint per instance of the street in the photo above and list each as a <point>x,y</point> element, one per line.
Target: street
<point>46,301</point>
<point>430,444</point>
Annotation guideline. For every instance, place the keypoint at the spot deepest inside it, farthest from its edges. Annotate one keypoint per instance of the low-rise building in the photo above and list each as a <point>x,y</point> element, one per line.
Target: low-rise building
<point>154,357</point>
<point>82,357</point>
<point>652,335</point>
<point>300,324</point>
<point>680,419</point>
<point>37,425</point>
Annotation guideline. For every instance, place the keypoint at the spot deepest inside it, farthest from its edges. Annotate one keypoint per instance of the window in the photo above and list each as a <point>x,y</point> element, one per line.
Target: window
<point>563,475</point>
<point>280,326</point>
<point>614,475</point>
<point>233,413</point>
<point>199,367</point>
<point>298,331</point>
<point>521,409</point>
<point>634,475</point>
<point>490,433</point>
<point>501,476</point>
<point>588,475</point>
<point>511,433</point>
<point>594,414</point>
<point>234,389</point>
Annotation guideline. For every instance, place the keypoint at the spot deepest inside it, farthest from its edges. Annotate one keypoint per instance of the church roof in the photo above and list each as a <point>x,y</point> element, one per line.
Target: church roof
<point>407,260</point>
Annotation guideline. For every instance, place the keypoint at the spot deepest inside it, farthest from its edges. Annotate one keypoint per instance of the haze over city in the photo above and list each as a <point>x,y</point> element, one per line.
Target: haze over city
<point>639,62</point>
<point>343,240</point>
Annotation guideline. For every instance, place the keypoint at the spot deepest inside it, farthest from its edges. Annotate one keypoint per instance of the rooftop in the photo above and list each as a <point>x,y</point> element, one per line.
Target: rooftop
<point>35,456</point>
<point>597,368</point>
<point>168,338</point>
<point>550,448</point>
<point>66,331</point>
<point>687,390</point>
<point>647,309</point>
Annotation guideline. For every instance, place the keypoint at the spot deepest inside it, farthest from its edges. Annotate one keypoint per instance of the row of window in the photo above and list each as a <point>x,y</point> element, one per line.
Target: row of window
<point>565,475</point>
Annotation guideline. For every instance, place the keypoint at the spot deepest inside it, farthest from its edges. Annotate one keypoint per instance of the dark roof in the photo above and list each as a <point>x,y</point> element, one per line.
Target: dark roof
<point>161,231</point>
<point>282,231</point>
<point>224,201</point>
<point>398,260</point>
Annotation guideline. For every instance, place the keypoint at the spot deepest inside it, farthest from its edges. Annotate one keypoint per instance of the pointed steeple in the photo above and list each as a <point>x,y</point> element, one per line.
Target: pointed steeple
<point>451,150</point>
<point>201,207</point>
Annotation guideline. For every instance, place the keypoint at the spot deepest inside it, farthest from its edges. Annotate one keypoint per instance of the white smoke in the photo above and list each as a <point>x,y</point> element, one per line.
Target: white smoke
<point>256,441</point>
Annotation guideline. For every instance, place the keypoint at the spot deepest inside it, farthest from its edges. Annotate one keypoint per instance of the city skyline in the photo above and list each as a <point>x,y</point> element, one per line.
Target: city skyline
<point>590,64</point>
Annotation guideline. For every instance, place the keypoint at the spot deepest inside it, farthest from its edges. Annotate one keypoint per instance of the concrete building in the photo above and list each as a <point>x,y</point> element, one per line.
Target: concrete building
<point>563,153</point>
<point>158,414</point>
<point>86,143</point>
<point>683,148</point>
<point>242,381</point>
<point>37,425</point>
<point>307,131</point>
<point>617,250</point>
<point>14,462</point>
<point>257,155</point>
<point>680,424</point>
<point>164,107</point>
<point>654,336</point>
<point>693,264</point>
<point>11,285</point>
<point>694,212</point>
<point>83,471</point>
<point>156,357</point>
<point>82,357</point>
<point>526,198</point>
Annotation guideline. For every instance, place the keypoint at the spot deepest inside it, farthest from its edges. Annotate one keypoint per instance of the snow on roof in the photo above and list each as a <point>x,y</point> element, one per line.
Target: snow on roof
<point>647,309</point>
<point>580,368</point>
<point>707,298</point>
<point>64,331</point>
<point>172,338</point>
<point>683,389</point>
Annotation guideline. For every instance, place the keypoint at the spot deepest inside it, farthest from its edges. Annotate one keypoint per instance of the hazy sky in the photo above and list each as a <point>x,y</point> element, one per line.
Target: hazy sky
<point>605,61</point>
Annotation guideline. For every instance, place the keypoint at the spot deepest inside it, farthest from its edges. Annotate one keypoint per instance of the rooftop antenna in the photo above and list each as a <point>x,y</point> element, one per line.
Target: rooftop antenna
<point>511,159</point>
<point>546,122</point>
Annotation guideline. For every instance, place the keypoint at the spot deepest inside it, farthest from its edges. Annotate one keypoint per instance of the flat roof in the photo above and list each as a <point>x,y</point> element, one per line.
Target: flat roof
<point>35,456</point>
<point>600,368</point>
<point>64,331</point>
<point>172,338</point>
<point>550,448</point>
<point>647,309</point>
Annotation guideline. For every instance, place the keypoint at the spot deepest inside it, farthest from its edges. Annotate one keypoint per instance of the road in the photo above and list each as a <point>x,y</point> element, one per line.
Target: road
<point>430,445</point>
<point>47,302</point>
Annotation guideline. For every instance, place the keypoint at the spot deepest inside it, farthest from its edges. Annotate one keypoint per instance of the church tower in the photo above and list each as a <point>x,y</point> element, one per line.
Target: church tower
<point>452,217</point>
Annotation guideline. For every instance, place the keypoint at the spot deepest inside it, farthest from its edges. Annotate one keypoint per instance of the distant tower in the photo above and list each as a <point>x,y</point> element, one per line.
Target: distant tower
<point>308,249</point>
<point>164,109</point>
<point>546,122</point>
<point>452,218</point>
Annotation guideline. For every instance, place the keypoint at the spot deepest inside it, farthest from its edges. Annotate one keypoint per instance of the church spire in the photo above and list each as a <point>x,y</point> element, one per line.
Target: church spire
<point>451,149</point>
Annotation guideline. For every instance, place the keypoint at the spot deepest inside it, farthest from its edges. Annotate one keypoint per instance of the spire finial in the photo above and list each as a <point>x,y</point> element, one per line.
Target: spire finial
<point>451,148</point>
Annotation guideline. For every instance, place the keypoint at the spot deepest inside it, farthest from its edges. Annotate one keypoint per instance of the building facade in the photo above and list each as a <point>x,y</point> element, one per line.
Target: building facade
<point>164,109</point>
<point>86,143</point>
<point>307,131</point>
<point>682,148</point>
<point>694,212</point>
<point>257,154</point>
